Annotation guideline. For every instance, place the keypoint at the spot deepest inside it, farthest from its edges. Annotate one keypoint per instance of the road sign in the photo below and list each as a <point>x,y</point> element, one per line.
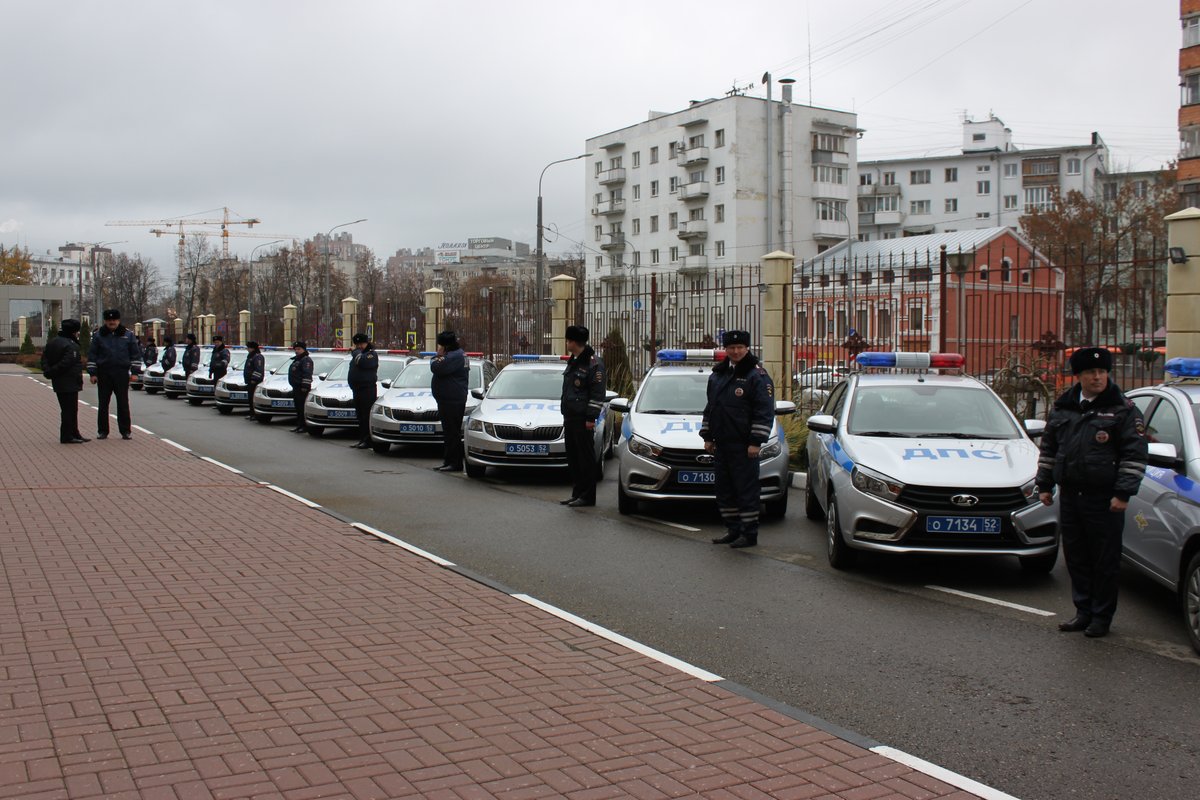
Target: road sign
<point>637,304</point>
<point>412,322</point>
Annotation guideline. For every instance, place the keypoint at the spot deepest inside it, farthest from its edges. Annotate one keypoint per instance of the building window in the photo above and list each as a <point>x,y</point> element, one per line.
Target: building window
<point>864,237</point>
<point>1039,198</point>
<point>918,176</point>
<point>696,141</point>
<point>978,137</point>
<point>719,137</point>
<point>1108,326</point>
<point>831,210</point>
<point>719,213</point>
<point>720,249</point>
<point>654,224</point>
<point>983,187</point>
<point>983,274</point>
<point>889,235</point>
<point>637,191</point>
<point>1010,202</point>
<point>1011,170</point>
<point>614,162</point>
<point>1006,270</point>
<point>599,263</point>
<point>674,184</point>
<point>599,168</point>
<point>673,222</point>
<point>889,276</point>
<point>916,318</point>
<point>830,142</point>
<point>983,215</point>
<point>919,207</point>
<point>674,254</point>
<point>951,205</point>
<point>637,226</point>
<point>824,173</point>
<point>865,179</point>
<point>654,188</point>
<point>1026,276</point>
<point>1110,192</point>
<point>673,150</point>
<point>887,202</point>
<point>1041,166</point>
<point>889,179</point>
<point>720,174</point>
<point>1189,141</point>
<point>637,258</point>
<point>1073,166</point>
<point>951,174</point>
<point>983,168</point>
<point>654,256</point>
<point>653,155</point>
<point>599,232</point>
<point>1191,31</point>
<point>636,158</point>
<point>696,213</point>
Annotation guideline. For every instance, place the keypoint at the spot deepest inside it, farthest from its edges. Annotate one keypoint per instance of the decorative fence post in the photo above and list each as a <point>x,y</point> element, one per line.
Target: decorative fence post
<point>349,320</point>
<point>178,330</point>
<point>562,291</point>
<point>435,306</point>
<point>777,269</point>
<point>1183,284</point>
<point>289,325</point>
<point>243,326</point>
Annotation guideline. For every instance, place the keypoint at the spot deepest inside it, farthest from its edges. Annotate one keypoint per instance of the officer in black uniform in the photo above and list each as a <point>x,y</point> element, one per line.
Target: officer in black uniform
<point>149,352</point>
<point>737,423</point>
<point>1094,450</point>
<point>61,364</point>
<point>300,373</point>
<point>191,355</point>
<point>449,386</point>
<point>218,361</point>
<point>254,371</point>
<point>168,354</point>
<point>583,397</point>
<point>113,358</point>
<point>363,379</point>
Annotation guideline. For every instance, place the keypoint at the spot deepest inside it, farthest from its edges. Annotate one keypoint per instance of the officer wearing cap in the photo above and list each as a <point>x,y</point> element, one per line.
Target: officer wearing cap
<point>737,422</point>
<point>1094,451</point>
<point>583,397</point>
<point>191,355</point>
<point>113,358</point>
<point>218,361</point>
<point>300,373</point>
<point>363,378</point>
<point>149,352</point>
<point>61,364</point>
<point>449,386</point>
<point>254,370</point>
<point>168,354</point>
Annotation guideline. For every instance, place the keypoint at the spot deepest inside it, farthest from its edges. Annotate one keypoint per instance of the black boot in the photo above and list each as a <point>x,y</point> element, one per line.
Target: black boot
<point>731,535</point>
<point>749,538</point>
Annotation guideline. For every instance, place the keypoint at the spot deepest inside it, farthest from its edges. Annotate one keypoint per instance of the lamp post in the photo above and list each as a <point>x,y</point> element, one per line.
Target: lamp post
<point>326,312</point>
<point>96,282</point>
<point>541,256</point>
<point>250,290</point>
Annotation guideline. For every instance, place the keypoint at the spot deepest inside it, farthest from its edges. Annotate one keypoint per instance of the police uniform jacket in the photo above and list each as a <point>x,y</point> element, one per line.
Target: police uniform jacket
<point>149,355</point>
<point>218,363</point>
<point>191,358</point>
<point>300,373</point>
<point>741,403</point>
<point>114,351</point>
<point>364,368</point>
<point>255,368</point>
<point>1099,448</point>
<point>449,382</point>
<point>61,364</point>
<point>583,393</point>
<point>168,358</point>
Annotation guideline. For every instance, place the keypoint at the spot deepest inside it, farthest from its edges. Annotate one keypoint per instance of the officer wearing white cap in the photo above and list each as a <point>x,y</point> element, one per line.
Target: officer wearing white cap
<point>113,358</point>
<point>583,397</point>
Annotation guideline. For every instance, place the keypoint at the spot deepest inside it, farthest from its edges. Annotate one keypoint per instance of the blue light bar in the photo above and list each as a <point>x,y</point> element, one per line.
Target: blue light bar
<point>427,353</point>
<point>911,360</point>
<point>1183,367</point>
<point>677,356</point>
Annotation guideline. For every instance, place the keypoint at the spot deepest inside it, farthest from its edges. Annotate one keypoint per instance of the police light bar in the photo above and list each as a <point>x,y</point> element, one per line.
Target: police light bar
<point>397,352</point>
<point>473,355</point>
<point>533,357</point>
<point>911,360</point>
<point>427,353</point>
<point>676,356</point>
<point>1183,367</point>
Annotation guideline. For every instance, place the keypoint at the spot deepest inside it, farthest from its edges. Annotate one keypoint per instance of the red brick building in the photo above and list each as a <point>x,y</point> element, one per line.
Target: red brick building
<point>1188,176</point>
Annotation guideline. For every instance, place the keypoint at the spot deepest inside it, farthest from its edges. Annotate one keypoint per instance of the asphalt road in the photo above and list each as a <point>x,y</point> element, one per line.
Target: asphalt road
<point>992,692</point>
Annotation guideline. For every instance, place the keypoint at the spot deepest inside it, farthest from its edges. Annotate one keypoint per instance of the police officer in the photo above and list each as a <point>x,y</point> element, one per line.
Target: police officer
<point>363,378</point>
<point>61,364</point>
<point>218,361</point>
<point>149,352</point>
<point>1094,450</point>
<point>113,358</point>
<point>300,373</point>
<point>449,387</point>
<point>191,355</point>
<point>168,354</point>
<point>254,370</point>
<point>737,422</point>
<point>583,397</point>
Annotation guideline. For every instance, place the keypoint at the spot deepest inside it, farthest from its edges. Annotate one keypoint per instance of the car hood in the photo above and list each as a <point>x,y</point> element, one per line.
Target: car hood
<point>670,430</point>
<point>415,400</point>
<point>279,382</point>
<point>981,463</point>
<point>526,413</point>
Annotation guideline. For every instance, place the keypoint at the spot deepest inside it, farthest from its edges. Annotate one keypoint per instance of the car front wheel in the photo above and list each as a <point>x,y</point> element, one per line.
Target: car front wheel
<point>1191,600</point>
<point>812,506</point>
<point>225,410</point>
<point>839,553</point>
<point>1041,564</point>
<point>475,470</point>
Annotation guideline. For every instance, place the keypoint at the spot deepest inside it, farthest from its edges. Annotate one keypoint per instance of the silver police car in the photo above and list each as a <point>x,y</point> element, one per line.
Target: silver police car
<point>175,380</point>
<point>231,391</point>
<point>906,460</point>
<point>200,387</point>
<point>152,376</point>
<point>407,414</point>
<point>330,404</point>
<point>659,450</point>
<point>274,397</point>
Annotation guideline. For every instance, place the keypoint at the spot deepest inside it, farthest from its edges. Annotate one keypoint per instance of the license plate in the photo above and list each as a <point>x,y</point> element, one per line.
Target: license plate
<point>285,403</point>
<point>410,427</point>
<point>342,413</point>
<point>962,525</point>
<point>696,476</point>
<point>238,396</point>
<point>204,390</point>
<point>527,449</point>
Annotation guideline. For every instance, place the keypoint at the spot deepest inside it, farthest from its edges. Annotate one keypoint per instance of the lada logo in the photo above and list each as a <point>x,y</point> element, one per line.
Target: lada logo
<point>705,459</point>
<point>967,500</point>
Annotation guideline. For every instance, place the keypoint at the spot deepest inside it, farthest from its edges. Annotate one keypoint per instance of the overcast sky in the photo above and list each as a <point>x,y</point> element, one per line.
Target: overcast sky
<point>434,119</point>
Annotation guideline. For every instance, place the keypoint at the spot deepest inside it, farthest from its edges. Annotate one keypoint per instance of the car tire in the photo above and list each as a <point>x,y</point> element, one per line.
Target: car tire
<point>840,554</point>
<point>1190,599</point>
<point>777,509</point>
<point>225,411</point>
<point>195,401</point>
<point>474,470</point>
<point>812,506</point>
<point>172,395</point>
<point>262,419</point>
<point>148,390</point>
<point>1040,564</point>
<point>610,448</point>
<point>600,468</point>
<point>135,387</point>
<point>625,503</point>
<point>382,448</point>
<point>314,430</point>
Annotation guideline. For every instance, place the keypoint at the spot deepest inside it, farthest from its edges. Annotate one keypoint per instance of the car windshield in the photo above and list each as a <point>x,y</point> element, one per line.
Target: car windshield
<point>420,377</point>
<point>527,384</point>
<point>274,360</point>
<point>324,363</point>
<point>237,360</point>
<point>929,411</point>
<point>664,393</point>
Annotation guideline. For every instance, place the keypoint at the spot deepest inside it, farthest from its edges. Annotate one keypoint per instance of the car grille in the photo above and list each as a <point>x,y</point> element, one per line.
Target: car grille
<point>408,414</point>
<point>278,393</point>
<point>546,433</point>
<point>683,457</point>
<point>331,402</point>
<point>204,381</point>
<point>936,500</point>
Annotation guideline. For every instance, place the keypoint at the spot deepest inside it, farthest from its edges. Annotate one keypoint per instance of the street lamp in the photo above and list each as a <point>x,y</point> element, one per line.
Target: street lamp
<point>326,311</point>
<point>541,256</point>
<point>250,292</point>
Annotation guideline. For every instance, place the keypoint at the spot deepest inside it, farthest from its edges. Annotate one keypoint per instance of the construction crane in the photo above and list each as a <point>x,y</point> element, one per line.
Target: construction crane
<point>179,222</point>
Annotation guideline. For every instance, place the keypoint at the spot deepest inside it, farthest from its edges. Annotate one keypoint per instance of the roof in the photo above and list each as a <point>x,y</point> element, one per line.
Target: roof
<point>913,250</point>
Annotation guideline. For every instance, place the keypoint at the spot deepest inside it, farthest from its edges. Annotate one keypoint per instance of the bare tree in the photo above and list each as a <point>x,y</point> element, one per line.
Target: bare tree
<point>133,285</point>
<point>192,291</point>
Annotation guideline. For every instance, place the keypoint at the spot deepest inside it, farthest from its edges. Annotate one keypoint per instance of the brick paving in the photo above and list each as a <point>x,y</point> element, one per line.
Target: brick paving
<point>151,649</point>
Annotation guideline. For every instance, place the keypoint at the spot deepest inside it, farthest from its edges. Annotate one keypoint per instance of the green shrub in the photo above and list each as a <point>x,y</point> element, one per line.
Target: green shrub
<point>796,431</point>
<point>27,348</point>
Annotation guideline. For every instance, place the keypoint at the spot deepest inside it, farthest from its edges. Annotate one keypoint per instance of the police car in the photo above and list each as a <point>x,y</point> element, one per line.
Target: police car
<point>659,450</point>
<point>331,403</point>
<point>518,422</point>
<point>407,414</point>
<point>274,397</point>
<point>907,459</point>
<point>175,379</point>
<point>152,376</point>
<point>1162,523</point>
<point>231,391</point>
<point>199,387</point>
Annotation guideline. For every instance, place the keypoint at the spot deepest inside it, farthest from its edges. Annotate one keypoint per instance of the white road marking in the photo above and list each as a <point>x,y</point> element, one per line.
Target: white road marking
<point>304,500</point>
<point>664,522</point>
<point>387,537</point>
<point>178,445</point>
<point>941,773</point>
<point>637,647</point>
<point>222,466</point>
<point>993,601</point>
<point>143,430</point>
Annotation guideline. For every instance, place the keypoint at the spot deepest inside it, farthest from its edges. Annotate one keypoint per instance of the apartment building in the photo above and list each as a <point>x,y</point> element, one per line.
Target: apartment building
<point>989,184</point>
<point>1188,176</point>
<point>720,183</point>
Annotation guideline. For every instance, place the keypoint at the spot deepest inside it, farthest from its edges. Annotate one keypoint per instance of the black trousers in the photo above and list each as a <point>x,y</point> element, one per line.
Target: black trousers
<point>364,398</point>
<point>68,426</point>
<point>738,486</point>
<point>251,388</point>
<point>299,398</point>
<point>1091,540</point>
<point>581,457</point>
<point>451,416</point>
<point>110,385</point>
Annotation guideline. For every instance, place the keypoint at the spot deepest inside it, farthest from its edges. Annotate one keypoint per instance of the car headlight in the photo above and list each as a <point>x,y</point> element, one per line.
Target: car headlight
<point>1030,491</point>
<point>873,483</point>
<point>770,450</point>
<point>640,447</point>
<point>377,409</point>
<point>475,425</point>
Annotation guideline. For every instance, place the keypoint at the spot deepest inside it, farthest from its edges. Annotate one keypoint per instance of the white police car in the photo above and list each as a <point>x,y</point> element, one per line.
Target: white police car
<point>659,450</point>
<point>407,414</point>
<point>1162,523</point>
<point>519,422</point>
<point>330,404</point>
<point>231,391</point>
<point>905,460</point>
<point>200,388</point>
<point>152,376</point>
<point>274,397</point>
<point>175,379</point>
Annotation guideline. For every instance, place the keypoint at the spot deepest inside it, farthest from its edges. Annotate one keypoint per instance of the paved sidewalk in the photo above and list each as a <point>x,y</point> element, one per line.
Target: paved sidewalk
<point>154,646</point>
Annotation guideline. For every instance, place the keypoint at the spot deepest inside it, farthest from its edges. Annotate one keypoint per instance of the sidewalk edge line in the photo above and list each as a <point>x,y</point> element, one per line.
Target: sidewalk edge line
<point>234,470</point>
<point>855,738</point>
<point>286,493</point>
<point>178,446</point>
<point>605,633</point>
<point>387,537</point>
<point>144,430</point>
<point>994,601</point>
<point>942,774</point>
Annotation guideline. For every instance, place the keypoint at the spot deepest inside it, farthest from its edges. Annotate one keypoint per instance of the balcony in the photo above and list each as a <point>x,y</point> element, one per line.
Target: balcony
<point>693,229</point>
<point>830,228</point>
<point>611,176</point>
<point>693,191</point>
<point>831,157</point>
<point>609,207</point>
<point>889,217</point>
<point>613,241</point>
<point>693,265</point>
<point>614,273</point>
<point>866,219</point>
<point>693,155</point>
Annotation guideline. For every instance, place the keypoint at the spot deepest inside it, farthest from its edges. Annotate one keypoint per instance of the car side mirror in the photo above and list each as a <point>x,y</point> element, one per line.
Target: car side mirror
<point>609,395</point>
<point>322,376</point>
<point>1163,454</point>
<point>1035,427</point>
<point>784,408</point>
<point>477,394</point>
<point>619,404</point>
<point>823,423</point>
<point>386,384</point>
